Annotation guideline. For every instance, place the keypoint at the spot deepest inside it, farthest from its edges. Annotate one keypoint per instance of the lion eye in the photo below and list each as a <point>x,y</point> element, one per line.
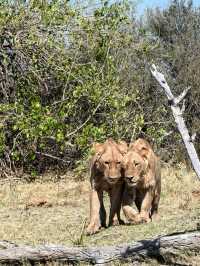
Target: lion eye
<point>106,162</point>
<point>118,162</point>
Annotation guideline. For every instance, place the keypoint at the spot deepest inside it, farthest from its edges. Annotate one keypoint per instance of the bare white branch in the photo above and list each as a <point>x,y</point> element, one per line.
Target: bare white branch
<point>177,113</point>
<point>162,81</point>
<point>193,137</point>
<point>181,96</point>
<point>183,107</point>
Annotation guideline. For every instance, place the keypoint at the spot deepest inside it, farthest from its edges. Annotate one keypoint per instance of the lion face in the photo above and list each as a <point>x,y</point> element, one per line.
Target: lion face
<point>134,166</point>
<point>111,166</point>
<point>109,160</point>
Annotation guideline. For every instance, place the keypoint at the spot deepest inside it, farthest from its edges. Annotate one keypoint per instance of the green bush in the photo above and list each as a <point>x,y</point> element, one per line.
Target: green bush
<point>69,79</point>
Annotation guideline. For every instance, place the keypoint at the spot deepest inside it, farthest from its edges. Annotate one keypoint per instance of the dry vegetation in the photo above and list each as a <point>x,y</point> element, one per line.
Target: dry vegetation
<point>55,212</point>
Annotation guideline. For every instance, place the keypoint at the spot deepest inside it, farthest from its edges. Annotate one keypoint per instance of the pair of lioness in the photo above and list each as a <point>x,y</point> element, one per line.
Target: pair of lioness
<point>128,175</point>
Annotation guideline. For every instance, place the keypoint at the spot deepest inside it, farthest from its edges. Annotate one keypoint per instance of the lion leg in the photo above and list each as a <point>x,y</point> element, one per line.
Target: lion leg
<point>145,212</point>
<point>127,202</point>
<point>115,202</point>
<point>94,224</point>
<point>138,199</point>
<point>102,212</point>
<point>155,203</point>
<point>117,218</point>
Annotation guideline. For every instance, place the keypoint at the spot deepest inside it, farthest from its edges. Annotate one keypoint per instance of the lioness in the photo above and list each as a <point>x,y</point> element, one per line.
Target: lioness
<point>142,182</point>
<point>106,175</point>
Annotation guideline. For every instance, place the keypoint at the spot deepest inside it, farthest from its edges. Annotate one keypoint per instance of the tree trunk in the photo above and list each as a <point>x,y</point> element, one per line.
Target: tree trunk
<point>178,116</point>
<point>167,249</point>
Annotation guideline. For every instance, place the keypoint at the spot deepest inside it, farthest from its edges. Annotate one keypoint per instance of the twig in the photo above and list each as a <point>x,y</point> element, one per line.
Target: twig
<point>86,121</point>
<point>182,96</point>
<point>52,156</point>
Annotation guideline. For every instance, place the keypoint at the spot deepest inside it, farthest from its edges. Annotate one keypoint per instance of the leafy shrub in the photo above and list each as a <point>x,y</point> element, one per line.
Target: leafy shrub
<point>68,79</point>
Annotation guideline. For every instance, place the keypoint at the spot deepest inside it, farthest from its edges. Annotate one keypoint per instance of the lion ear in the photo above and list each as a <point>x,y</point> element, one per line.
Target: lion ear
<point>98,148</point>
<point>144,153</point>
<point>141,149</point>
<point>123,147</point>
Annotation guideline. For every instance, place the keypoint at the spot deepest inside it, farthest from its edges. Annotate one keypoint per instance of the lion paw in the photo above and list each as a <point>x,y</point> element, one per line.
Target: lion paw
<point>92,228</point>
<point>121,222</point>
<point>116,222</point>
<point>144,218</point>
<point>139,219</point>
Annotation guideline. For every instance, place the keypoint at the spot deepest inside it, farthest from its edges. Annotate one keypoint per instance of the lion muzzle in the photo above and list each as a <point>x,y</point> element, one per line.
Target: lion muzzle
<point>113,180</point>
<point>131,180</point>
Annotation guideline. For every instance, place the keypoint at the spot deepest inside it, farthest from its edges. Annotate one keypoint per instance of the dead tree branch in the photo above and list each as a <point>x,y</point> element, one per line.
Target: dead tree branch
<point>177,113</point>
<point>168,249</point>
<point>52,157</point>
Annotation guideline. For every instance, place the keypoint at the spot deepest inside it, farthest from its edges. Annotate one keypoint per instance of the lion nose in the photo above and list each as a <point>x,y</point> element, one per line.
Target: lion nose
<point>129,178</point>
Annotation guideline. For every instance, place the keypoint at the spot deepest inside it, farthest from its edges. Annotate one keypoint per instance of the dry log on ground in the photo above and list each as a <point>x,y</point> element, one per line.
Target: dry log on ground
<point>166,249</point>
<point>178,116</point>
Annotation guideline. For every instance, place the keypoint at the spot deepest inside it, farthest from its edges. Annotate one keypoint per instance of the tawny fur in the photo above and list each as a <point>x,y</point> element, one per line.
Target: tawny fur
<point>106,175</point>
<point>142,182</point>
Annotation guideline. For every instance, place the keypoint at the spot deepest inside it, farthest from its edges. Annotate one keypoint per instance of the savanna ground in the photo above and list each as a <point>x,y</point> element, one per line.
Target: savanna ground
<point>44,211</point>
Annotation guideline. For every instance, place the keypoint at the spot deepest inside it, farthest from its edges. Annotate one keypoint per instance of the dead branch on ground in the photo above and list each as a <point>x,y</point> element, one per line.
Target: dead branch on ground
<point>167,249</point>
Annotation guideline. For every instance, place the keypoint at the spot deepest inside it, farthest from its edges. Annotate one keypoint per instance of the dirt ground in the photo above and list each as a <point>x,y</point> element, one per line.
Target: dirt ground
<point>44,212</point>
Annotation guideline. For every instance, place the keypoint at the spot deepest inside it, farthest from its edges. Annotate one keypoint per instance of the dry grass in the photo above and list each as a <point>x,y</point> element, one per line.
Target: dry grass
<point>54,212</point>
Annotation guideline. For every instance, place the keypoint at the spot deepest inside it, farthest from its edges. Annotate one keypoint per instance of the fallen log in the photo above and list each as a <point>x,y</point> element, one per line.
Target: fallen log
<point>178,116</point>
<point>167,249</point>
